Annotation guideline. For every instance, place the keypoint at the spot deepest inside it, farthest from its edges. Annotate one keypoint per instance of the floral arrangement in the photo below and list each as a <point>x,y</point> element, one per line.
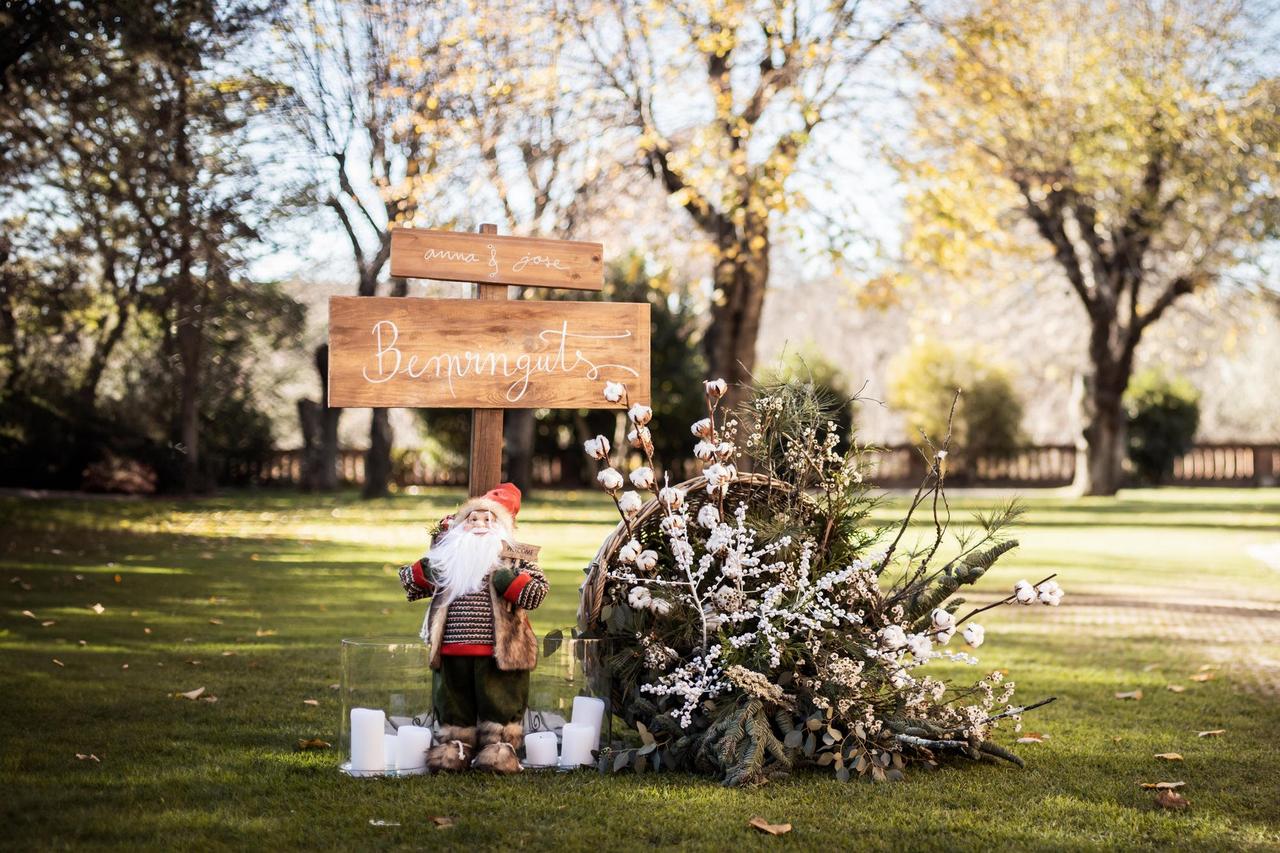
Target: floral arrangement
<point>760,622</point>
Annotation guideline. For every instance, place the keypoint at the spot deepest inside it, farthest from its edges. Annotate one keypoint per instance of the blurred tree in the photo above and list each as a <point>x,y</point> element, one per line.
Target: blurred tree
<point>1162,417</point>
<point>1137,141</point>
<point>924,380</point>
<point>367,82</point>
<point>723,100</point>
<point>134,210</point>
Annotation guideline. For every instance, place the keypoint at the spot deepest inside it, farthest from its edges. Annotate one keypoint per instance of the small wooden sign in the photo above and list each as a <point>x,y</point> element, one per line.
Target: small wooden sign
<point>520,551</point>
<point>466,353</point>
<point>490,259</point>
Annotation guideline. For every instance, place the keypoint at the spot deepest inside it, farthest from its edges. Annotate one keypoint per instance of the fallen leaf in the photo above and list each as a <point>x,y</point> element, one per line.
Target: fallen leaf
<point>313,743</point>
<point>1151,666</point>
<point>335,686</point>
<point>124,666</point>
<point>1206,667</point>
<point>386,611</point>
<point>372,821</point>
<point>770,828</point>
<point>227,654</point>
<point>119,579</point>
<point>192,694</point>
<point>90,757</point>
<point>48,623</point>
<point>1135,695</point>
<point>443,821</point>
<point>1161,786</point>
<point>194,662</point>
<point>146,630</point>
<point>83,642</point>
<point>58,662</point>
<point>267,632</point>
<point>312,702</point>
<point>1116,739</point>
<point>1171,800</point>
<point>1176,688</point>
<point>208,698</point>
<point>215,621</point>
<point>1033,737</point>
<point>1169,756</point>
<point>28,614</point>
<point>98,608</point>
<point>1204,676</point>
<point>1211,733</point>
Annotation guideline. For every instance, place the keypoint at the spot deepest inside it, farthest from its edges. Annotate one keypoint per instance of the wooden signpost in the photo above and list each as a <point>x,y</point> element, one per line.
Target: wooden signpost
<point>487,354</point>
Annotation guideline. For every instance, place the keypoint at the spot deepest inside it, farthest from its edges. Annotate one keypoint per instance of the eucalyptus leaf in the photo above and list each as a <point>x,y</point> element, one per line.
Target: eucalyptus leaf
<point>648,747</point>
<point>842,775</point>
<point>825,759</point>
<point>794,738</point>
<point>621,760</point>
<point>552,642</point>
<point>810,744</point>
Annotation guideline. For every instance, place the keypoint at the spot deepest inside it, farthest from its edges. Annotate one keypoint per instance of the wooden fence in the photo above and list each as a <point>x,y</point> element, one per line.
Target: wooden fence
<point>898,466</point>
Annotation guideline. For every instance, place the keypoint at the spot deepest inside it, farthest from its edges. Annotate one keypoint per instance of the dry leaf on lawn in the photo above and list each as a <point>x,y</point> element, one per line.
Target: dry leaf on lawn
<point>1161,786</point>
<point>266,632</point>
<point>770,828</point>
<point>1151,666</point>
<point>1176,688</point>
<point>375,822</point>
<point>335,686</point>
<point>443,821</point>
<point>227,654</point>
<point>1204,676</point>
<point>1135,695</point>
<point>1169,756</point>
<point>215,621</point>
<point>313,743</point>
<point>1033,737</point>
<point>1171,800</point>
<point>192,694</point>
<point>311,702</point>
<point>48,623</point>
<point>58,662</point>
<point>28,614</point>
<point>98,608</point>
<point>1206,667</point>
<point>90,757</point>
<point>1211,733</point>
<point>208,698</point>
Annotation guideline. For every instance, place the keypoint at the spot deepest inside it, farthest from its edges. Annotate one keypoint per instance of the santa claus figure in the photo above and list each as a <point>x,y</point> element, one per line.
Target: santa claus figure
<point>482,646</point>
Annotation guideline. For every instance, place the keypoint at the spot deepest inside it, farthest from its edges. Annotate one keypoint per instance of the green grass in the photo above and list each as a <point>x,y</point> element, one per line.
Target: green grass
<point>1158,584</point>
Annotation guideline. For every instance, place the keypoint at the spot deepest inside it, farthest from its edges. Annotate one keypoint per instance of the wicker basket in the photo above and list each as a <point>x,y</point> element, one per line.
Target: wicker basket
<point>646,528</point>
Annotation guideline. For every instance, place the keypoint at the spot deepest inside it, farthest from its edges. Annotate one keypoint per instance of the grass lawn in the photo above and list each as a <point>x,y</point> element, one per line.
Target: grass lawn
<point>1159,584</point>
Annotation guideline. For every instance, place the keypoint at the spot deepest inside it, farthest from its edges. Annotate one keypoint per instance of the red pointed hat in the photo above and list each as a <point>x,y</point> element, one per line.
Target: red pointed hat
<point>503,501</point>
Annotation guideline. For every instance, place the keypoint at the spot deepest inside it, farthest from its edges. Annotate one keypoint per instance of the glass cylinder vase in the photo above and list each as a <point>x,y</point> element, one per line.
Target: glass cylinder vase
<point>569,685</point>
<point>390,675</point>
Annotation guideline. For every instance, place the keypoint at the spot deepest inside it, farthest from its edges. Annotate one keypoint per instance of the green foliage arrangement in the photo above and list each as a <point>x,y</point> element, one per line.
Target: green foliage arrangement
<point>1163,414</point>
<point>988,416</point>
<point>758,623</point>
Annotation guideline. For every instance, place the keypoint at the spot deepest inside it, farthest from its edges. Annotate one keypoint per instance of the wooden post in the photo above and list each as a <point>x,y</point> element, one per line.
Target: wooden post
<point>486,424</point>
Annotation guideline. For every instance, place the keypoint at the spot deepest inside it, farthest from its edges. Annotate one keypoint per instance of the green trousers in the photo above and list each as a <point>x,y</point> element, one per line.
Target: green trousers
<point>467,690</point>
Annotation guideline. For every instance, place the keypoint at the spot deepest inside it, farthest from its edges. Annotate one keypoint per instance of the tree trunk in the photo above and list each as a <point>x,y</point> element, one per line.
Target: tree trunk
<point>741,277</point>
<point>517,440</point>
<point>1101,449</point>
<point>322,457</point>
<point>377,459</point>
<point>190,350</point>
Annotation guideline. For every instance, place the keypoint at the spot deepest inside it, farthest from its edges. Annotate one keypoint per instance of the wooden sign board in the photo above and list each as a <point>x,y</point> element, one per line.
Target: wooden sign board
<point>468,353</point>
<point>490,259</point>
<point>520,552</point>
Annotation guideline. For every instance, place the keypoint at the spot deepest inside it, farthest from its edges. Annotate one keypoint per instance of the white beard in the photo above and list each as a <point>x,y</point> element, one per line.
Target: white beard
<point>461,560</point>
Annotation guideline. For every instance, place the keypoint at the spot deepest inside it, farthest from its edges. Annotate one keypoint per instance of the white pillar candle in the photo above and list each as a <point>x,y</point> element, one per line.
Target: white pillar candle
<point>589,711</point>
<point>390,745</point>
<point>576,749</point>
<point>367,749</point>
<point>412,743</point>
<point>540,749</point>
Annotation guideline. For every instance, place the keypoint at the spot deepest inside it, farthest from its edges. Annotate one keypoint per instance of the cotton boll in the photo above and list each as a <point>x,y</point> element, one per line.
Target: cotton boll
<point>613,391</point>
<point>708,516</point>
<point>629,552</point>
<point>640,438</point>
<point>942,619</point>
<point>630,503</point>
<point>974,635</point>
<point>944,636</point>
<point>920,646</point>
<point>1025,592</point>
<point>673,524</point>
<point>892,637</point>
<point>647,560</point>
<point>641,414</point>
<point>597,448</point>
<point>642,478</point>
<point>715,388</point>
<point>660,606</point>
<point>704,450</point>
<point>671,497</point>
<point>639,597</point>
<point>702,428</point>
<point>610,480</point>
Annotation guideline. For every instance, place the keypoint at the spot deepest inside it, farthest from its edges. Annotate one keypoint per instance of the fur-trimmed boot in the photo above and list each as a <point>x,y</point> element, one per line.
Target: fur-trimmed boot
<point>498,745</point>
<point>454,751</point>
